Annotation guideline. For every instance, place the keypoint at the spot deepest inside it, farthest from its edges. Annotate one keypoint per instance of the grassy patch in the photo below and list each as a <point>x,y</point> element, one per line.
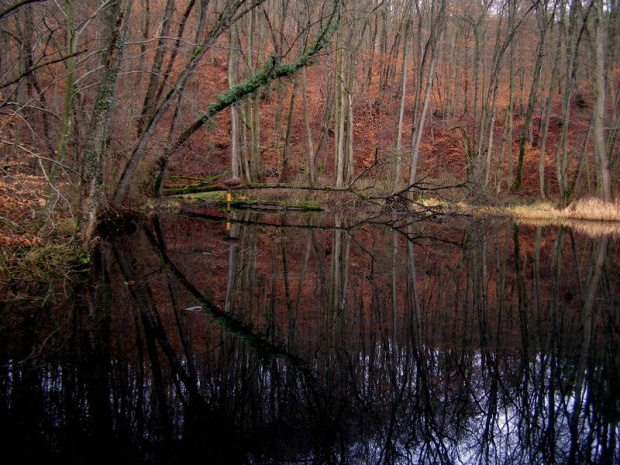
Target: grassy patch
<point>592,217</point>
<point>585,209</point>
<point>42,263</point>
<point>536,211</point>
<point>593,209</point>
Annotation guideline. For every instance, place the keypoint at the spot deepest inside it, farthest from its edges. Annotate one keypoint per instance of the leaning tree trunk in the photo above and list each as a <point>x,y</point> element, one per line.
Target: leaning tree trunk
<point>231,12</point>
<point>419,130</point>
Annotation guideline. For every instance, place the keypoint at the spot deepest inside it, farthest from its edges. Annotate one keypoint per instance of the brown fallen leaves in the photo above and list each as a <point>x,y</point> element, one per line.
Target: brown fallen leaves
<point>21,197</point>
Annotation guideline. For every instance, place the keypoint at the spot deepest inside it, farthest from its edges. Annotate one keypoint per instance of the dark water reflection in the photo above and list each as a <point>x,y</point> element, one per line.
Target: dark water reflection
<point>303,339</point>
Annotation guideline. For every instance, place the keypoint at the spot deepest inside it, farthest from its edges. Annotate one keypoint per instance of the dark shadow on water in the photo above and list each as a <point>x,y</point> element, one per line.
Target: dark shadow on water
<point>312,339</point>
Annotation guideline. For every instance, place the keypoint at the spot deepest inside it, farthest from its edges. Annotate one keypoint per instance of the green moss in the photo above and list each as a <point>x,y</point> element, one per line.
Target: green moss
<point>219,198</point>
<point>210,197</point>
<point>192,189</point>
<point>198,179</point>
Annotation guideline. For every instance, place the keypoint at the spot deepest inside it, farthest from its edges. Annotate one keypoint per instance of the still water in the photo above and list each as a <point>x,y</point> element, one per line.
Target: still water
<point>288,338</point>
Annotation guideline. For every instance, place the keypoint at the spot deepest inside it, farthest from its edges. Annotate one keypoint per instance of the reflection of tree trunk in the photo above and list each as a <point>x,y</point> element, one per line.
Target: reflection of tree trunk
<point>154,331</point>
<point>552,348</point>
<point>524,323</point>
<point>98,373</point>
<point>153,334</point>
<point>395,235</point>
<point>300,287</point>
<point>249,278</point>
<point>228,323</point>
<point>339,276</point>
<point>424,409</point>
<point>536,292</point>
<point>231,283</point>
<point>587,321</point>
<point>414,293</point>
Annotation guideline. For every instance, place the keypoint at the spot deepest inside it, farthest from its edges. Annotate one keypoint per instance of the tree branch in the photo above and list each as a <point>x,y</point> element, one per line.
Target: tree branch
<point>39,66</point>
<point>17,6</point>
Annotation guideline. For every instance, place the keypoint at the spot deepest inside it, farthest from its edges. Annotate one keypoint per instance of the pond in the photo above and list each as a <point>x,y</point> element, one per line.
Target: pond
<point>321,338</point>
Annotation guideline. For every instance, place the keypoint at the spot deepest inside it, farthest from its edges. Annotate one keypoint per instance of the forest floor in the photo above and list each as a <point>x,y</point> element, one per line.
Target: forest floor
<point>34,248</point>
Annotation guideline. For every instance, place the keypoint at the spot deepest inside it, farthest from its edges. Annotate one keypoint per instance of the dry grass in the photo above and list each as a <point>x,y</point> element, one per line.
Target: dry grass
<point>593,209</point>
<point>591,216</point>
<point>590,209</point>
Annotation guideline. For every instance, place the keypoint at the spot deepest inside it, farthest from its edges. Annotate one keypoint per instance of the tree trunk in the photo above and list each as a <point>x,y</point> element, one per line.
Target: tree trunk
<point>531,103</point>
<point>574,35</point>
<point>545,122</point>
<point>311,154</point>
<point>599,90</point>
<point>116,20</point>
<point>234,114</point>
<point>285,175</point>
<point>149,99</point>
<point>419,130</point>
<point>401,111</point>
<point>67,120</point>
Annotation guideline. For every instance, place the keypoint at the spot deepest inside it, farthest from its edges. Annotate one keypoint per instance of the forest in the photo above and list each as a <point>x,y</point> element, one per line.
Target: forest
<point>106,105</point>
<point>310,231</point>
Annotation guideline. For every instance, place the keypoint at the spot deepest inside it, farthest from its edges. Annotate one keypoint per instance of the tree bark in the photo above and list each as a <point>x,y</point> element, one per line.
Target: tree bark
<point>149,99</point>
<point>531,103</point>
<point>401,111</point>
<point>117,22</point>
<point>311,153</point>
<point>599,89</point>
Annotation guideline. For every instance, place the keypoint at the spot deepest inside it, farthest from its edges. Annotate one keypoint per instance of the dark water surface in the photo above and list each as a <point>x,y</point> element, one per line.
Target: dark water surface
<point>278,338</point>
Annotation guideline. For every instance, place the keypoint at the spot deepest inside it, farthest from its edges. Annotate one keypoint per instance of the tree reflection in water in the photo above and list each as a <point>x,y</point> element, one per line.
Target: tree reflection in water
<point>374,342</point>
